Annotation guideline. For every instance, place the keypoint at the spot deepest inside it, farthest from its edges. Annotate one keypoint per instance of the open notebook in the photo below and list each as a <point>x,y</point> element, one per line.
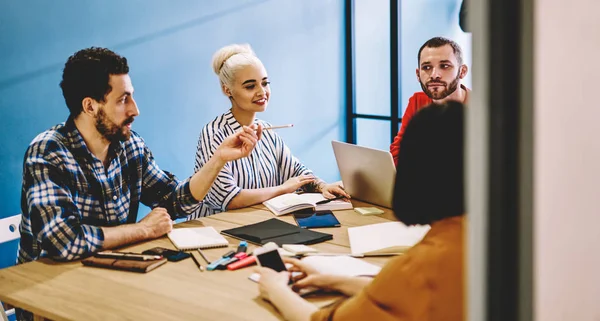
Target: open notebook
<point>287,203</point>
<point>190,238</point>
<point>385,238</point>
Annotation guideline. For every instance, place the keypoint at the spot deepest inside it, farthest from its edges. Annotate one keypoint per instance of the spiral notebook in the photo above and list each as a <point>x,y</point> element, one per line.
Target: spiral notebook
<point>197,238</point>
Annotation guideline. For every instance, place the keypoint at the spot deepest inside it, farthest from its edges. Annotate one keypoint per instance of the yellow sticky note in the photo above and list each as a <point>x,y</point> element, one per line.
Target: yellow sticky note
<point>368,210</point>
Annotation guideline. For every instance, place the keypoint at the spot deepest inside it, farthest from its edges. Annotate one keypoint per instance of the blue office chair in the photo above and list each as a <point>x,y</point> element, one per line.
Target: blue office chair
<point>9,232</point>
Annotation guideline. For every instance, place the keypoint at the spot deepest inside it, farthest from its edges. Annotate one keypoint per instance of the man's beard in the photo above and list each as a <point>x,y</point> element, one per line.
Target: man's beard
<point>111,131</point>
<point>449,90</point>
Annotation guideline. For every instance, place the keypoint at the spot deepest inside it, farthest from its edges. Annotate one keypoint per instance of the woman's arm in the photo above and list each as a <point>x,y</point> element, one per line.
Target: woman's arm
<point>273,286</point>
<point>348,285</point>
<point>311,278</point>
<point>291,305</point>
<point>249,197</point>
<point>351,285</point>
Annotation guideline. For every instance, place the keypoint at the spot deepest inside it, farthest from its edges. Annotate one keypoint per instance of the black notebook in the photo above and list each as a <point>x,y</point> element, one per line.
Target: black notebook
<point>277,231</point>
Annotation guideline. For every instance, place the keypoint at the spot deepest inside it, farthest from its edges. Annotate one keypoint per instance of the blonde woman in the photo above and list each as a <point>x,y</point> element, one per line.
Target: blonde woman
<point>271,169</point>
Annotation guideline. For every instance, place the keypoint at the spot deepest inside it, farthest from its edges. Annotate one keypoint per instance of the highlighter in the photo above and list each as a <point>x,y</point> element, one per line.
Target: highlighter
<point>215,265</point>
<point>237,257</point>
<point>240,255</point>
<point>247,261</point>
<point>223,265</point>
<point>242,247</point>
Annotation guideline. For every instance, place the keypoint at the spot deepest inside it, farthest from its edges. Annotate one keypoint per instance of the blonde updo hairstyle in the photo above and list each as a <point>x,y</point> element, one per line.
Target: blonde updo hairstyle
<point>229,59</point>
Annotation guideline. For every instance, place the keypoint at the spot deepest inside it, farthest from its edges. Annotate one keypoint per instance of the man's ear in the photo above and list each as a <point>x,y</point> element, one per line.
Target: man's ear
<point>418,74</point>
<point>463,71</point>
<point>89,106</point>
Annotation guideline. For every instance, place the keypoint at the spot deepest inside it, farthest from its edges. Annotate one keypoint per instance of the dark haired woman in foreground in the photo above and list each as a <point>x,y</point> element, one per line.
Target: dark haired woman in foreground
<point>426,283</point>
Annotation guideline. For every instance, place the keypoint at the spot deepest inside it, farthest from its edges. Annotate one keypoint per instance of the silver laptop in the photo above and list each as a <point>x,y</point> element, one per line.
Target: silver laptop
<point>368,174</point>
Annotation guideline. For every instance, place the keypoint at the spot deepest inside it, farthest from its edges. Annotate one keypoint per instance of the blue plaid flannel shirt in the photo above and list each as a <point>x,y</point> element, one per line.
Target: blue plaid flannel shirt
<point>68,194</point>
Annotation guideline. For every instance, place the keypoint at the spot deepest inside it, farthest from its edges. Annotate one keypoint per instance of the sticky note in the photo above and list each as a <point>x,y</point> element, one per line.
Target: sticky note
<point>368,210</point>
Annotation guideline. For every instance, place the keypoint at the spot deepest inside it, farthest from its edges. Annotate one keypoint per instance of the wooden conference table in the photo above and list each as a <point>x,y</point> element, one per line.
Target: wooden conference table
<point>174,291</point>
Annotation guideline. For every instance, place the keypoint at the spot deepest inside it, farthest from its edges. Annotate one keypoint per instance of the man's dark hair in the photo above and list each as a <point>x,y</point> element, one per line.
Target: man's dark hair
<point>86,74</point>
<point>437,42</point>
<point>429,178</point>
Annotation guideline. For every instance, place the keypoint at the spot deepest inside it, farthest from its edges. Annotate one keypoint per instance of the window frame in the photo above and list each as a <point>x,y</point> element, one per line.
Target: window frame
<point>395,118</point>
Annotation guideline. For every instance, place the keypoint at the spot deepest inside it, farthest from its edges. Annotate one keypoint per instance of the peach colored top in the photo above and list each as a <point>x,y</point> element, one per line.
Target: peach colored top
<point>424,284</point>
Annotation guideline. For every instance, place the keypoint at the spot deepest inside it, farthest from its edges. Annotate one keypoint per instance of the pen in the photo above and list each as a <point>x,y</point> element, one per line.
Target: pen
<point>330,199</point>
<point>277,127</point>
<point>197,263</point>
<point>128,256</point>
<point>204,257</point>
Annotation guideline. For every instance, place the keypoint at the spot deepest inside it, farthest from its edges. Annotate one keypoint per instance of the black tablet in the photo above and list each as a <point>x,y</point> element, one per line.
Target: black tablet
<point>316,219</point>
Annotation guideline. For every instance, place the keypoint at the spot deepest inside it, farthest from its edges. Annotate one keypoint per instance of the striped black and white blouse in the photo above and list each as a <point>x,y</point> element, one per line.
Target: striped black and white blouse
<point>271,163</point>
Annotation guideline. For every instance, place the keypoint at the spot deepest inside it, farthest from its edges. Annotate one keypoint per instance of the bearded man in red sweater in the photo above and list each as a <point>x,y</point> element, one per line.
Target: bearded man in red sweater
<point>440,71</point>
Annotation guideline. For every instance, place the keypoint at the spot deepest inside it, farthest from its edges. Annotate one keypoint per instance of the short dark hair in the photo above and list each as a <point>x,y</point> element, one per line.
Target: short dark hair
<point>437,42</point>
<point>429,178</point>
<point>86,74</point>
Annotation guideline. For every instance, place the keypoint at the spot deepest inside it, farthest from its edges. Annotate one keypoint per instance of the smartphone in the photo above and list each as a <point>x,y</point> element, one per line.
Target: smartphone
<point>316,219</point>
<point>170,255</point>
<point>269,258</point>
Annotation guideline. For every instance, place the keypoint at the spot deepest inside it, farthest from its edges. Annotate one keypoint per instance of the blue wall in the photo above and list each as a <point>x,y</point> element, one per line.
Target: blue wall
<point>169,46</point>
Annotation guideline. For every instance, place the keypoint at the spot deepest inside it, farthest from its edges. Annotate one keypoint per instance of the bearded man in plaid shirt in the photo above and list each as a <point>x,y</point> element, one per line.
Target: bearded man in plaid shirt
<point>83,179</point>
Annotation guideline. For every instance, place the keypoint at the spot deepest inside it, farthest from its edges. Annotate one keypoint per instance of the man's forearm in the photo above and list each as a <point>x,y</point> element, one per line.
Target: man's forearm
<point>203,179</point>
<point>123,234</point>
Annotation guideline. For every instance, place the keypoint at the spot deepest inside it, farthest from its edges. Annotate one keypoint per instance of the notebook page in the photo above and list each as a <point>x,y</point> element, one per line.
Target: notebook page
<point>285,200</point>
<point>286,203</point>
<point>376,237</point>
<point>313,198</point>
<point>196,237</point>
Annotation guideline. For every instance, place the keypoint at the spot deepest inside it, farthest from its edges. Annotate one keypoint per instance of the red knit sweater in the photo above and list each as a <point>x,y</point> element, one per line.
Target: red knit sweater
<point>415,103</point>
